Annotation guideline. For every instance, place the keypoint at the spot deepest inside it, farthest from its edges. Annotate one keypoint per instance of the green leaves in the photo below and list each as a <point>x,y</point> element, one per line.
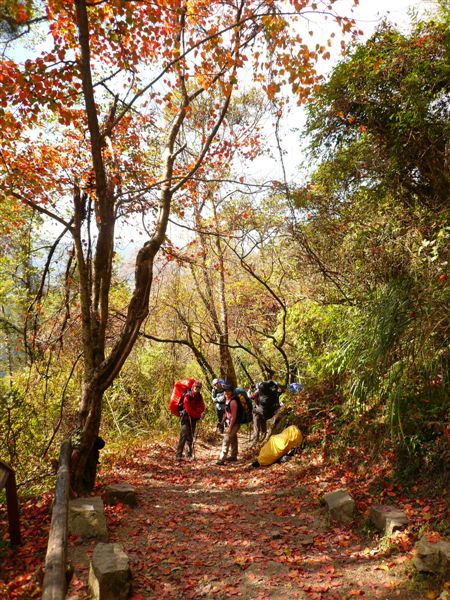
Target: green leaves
<point>392,88</point>
<point>380,198</point>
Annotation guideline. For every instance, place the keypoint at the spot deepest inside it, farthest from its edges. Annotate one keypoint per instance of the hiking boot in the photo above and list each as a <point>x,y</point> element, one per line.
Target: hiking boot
<point>220,462</point>
<point>179,458</point>
<point>231,459</point>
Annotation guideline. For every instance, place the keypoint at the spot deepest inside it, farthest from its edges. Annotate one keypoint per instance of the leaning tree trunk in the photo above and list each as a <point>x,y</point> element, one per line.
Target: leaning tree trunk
<point>95,271</point>
<point>99,377</point>
<point>94,262</point>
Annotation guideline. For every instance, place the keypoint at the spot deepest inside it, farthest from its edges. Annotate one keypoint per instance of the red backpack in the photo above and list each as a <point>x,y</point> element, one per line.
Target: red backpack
<point>178,389</point>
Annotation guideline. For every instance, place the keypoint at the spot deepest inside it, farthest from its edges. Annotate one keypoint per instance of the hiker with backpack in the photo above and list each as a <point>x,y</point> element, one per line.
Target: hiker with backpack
<point>259,423</point>
<point>218,398</point>
<point>238,410</point>
<point>266,400</point>
<point>190,409</point>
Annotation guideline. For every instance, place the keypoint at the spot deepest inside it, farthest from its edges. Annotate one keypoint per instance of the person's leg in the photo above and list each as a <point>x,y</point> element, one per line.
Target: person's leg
<point>258,420</point>
<point>234,442</point>
<point>263,428</point>
<point>261,423</point>
<point>220,412</point>
<point>225,446</point>
<point>182,439</point>
<point>254,439</point>
<point>190,437</point>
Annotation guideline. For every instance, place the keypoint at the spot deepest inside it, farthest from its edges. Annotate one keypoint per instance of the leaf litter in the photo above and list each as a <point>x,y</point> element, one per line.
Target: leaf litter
<point>201,530</point>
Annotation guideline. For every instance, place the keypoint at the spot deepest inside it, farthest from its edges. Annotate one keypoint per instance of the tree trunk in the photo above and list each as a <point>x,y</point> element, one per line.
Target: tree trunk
<point>84,455</point>
<point>94,264</point>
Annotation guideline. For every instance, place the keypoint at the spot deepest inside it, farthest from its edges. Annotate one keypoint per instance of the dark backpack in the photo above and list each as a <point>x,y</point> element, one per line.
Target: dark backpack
<point>245,408</point>
<point>268,398</point>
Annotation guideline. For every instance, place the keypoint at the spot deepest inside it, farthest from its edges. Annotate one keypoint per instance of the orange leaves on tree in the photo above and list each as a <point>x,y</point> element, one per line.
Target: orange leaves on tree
<point>271,90</point>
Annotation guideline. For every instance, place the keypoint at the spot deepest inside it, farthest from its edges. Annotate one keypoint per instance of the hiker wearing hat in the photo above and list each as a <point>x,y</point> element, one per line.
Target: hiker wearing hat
<point>191,409</point>
<point>218,397</point>
<point>230,439</point>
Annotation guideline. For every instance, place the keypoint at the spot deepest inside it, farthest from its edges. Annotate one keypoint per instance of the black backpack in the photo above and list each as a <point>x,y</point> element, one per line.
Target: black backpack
<point>245,408</point>
<point>268,398</point>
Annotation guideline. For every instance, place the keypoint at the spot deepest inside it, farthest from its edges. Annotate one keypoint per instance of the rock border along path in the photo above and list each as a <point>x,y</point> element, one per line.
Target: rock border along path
<point>201,530</point>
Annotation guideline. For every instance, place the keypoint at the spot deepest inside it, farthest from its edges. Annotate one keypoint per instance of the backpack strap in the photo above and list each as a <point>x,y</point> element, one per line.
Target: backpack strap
<point>181,401</point>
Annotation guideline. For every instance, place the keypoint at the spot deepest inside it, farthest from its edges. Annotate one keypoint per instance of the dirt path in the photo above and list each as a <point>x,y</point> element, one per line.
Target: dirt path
<point>206,531</point>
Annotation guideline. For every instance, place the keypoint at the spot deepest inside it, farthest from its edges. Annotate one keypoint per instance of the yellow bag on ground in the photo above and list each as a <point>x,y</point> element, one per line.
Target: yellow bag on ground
<point>277,445</point>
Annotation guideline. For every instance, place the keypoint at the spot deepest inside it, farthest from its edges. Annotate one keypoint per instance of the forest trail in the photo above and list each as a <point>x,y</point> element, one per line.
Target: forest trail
<point>207,531</point>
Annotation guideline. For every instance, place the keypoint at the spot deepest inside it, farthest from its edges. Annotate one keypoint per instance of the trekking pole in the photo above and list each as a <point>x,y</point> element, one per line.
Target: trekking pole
<point>195,438</point>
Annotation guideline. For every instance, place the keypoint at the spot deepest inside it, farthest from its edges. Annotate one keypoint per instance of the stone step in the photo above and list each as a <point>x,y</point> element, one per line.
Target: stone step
<point>109,574</point>
<point>432,557</point>
<point>340,505</point>
<point>87,518</point>
<point>120,492</point>
<point>387,518</point>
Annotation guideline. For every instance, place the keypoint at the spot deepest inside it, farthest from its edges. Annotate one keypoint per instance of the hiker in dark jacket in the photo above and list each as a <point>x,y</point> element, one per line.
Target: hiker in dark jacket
<point>191,409</point>
<point>218,398</point>
<point>266,402</point>
<point>259,422</point>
